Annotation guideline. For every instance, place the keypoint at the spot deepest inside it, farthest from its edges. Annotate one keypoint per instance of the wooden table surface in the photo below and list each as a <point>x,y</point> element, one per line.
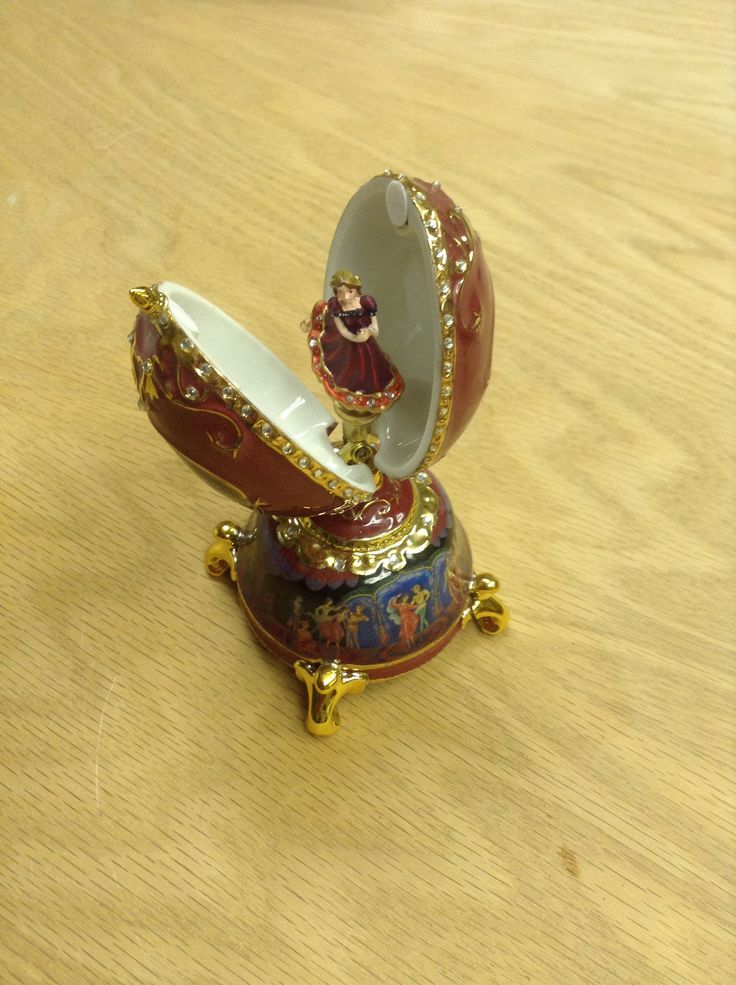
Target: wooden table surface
<point>555,805</point>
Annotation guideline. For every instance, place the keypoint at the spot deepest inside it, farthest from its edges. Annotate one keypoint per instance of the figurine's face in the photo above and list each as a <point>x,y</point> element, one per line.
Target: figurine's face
<point>345,293</point>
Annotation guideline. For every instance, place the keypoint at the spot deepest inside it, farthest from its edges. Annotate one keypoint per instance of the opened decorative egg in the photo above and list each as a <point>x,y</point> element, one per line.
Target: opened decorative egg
<point>351,566</point>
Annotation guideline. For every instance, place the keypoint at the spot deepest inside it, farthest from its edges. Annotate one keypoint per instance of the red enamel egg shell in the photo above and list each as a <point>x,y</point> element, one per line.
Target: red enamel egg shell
<point>234,410</point>
<point>418,255</point>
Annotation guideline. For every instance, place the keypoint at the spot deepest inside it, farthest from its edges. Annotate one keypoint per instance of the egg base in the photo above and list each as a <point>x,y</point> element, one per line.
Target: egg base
<point>344,610</point>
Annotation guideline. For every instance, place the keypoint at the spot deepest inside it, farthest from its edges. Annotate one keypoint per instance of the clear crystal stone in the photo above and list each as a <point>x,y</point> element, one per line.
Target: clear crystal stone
<point>441,256</point>
<point>313,343</point>
<point>458,210</point>
<point>340,563</point>
<point>303,462</point>
<point>287,449</point>
<point>332,484</point>
<point>421,476</point>
<point>444,288</point>
<point>446,390</point>
<point>449,344</point>
<point>371,402</point>
<point>420,197</point>
<point>350,399</point>
<point>443,411</point>
<point>204,370</point>
<point>447,368</point>
<point>431,225</point>
<point>461,266</point>
<point>186,345</point>
<point>228,394</point>
<point>130,338</point>
<point>246,410</point>
<point>390,394</point>
<point>449,320</point>
<point>436,185</point>
<point>191,393</point>
<point>318,473</point>
<point>147,366</point>
<point>266,430</point>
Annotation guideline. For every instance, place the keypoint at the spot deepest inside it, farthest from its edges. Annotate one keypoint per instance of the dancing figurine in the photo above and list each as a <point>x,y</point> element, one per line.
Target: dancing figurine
<point>348,361</point>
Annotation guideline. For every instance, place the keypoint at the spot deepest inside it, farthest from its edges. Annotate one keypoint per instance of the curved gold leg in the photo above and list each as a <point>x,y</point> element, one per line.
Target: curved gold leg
<point>221,556</point>
<point>327,682</point>
<point>489,614</point>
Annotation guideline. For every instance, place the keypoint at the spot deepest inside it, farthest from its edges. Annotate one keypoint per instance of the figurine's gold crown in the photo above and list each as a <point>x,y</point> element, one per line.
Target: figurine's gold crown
<point>345,277</point>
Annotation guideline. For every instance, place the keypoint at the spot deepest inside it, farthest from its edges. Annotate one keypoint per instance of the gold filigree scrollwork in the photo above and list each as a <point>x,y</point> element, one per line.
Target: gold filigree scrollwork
<point>327,682</point>
<point>490,615</point>
<point>143,370</point>
<point>221,556</point>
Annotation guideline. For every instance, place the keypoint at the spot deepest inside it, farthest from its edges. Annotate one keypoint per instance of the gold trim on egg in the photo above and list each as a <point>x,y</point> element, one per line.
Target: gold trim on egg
<point>444,277</point>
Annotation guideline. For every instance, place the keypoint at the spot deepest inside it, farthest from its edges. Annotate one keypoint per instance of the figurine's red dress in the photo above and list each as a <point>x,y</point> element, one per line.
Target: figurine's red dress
<point>354,365</point>
<point>357,375</point>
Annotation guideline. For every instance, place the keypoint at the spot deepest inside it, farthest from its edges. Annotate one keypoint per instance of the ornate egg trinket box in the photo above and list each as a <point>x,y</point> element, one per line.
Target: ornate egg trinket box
<point>351,566</point>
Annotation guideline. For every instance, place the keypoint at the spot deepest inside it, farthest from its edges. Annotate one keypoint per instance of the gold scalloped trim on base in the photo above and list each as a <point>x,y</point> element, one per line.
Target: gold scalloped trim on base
<point>364,557</point>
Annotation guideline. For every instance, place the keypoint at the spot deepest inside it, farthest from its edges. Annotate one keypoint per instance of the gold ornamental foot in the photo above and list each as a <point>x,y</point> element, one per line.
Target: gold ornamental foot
<point>490,614</point>
<point>221,556</point>
<point>327,682</point>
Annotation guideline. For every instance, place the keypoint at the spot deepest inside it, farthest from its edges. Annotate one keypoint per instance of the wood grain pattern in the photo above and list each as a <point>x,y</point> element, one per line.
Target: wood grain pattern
<point>556,805</point>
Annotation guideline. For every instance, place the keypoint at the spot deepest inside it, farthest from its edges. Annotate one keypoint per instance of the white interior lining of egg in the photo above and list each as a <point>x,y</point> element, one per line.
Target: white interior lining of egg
<point>262,379</point>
